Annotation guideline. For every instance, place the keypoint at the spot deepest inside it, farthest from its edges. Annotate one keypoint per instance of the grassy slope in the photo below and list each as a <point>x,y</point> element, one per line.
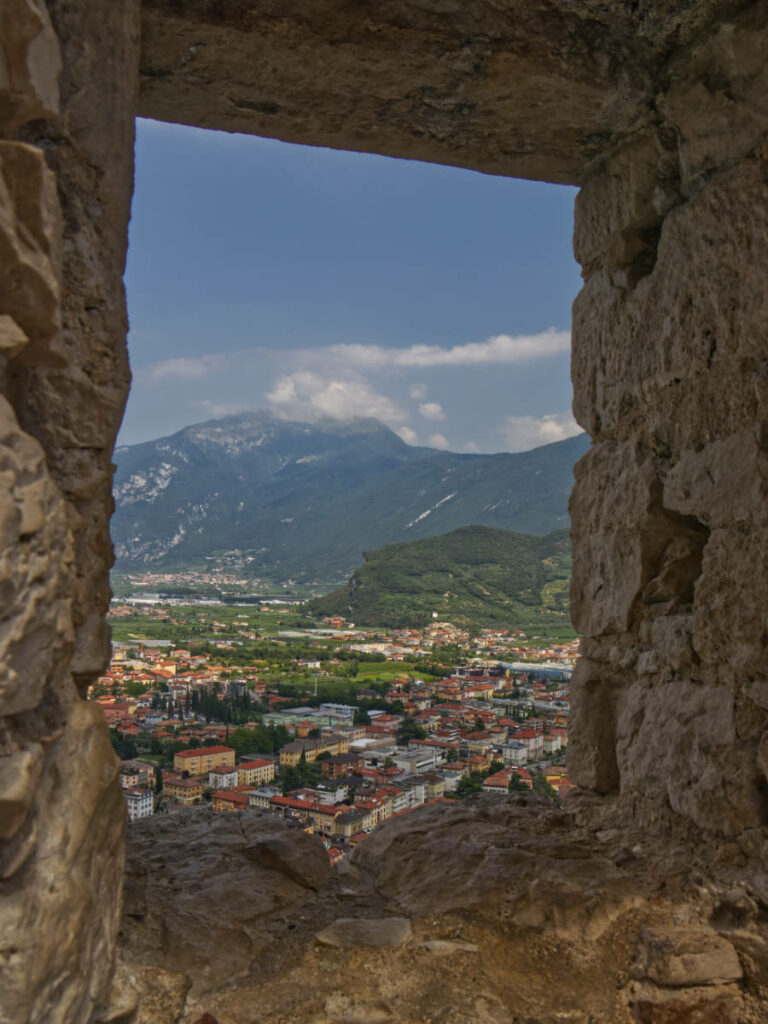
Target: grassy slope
<point>475,575</point>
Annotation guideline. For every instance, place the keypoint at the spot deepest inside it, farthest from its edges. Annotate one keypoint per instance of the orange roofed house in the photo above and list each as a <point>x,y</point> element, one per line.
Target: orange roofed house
<point>200,760</point>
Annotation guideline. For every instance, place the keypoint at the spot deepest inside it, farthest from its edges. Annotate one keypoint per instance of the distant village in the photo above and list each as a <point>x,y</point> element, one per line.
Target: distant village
<point>192,730</point>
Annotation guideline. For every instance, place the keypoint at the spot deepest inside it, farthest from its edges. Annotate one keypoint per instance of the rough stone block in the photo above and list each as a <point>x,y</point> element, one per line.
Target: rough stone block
<point>680,957</point>
<point>295,856</point>
<point>29,248</point>
<point>351,933</point>
<point>30,63</point>
<point>610,502</point>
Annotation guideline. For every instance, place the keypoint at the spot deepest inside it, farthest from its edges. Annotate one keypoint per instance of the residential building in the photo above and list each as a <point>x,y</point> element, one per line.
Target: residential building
<point>139,803</point>
<point>292,753</point>
<point>514,752</point>
<point>417,760</point>
<point>498,783</point>
<point>435,786</point>
<point>231,799</point>
<point>255,773</point>
<point>185,791</point>
<point>261,797</point>
<point>222,778</point>
<point>351,822</point>
<point>200,760</point>
<point>341,765</point>
<point>321,816</point>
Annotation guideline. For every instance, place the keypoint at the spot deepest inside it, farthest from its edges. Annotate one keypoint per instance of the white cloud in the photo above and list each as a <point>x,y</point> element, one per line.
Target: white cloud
<point>471,446</point>
<point>437,441</point>
<point>219,409</point>
<point>418,392</point>
<point>305,395</point>
<point>523,432</point>
<point>502,348</point>
<point>408,435</point>
<point>184,368</point>
<point>432,411</point>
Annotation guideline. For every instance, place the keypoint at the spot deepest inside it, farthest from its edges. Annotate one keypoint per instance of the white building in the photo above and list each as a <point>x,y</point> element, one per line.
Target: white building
<point>140,803</point>
<point>514,753</point>
<point>222,778</point>
<point>261,797</point>
<point>416,761</point>
<point>453,777</point>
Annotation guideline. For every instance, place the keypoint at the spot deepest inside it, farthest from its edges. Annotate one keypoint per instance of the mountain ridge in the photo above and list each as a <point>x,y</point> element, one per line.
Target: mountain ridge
<point>285,499</point>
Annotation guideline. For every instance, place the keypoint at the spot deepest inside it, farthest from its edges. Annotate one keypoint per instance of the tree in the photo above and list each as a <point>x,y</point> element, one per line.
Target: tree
<point>470,785</point>
<point>516,785</point>
<point>453,755</point>
<point>361,717</point>
<point>411,730</point>
<point>124,746</point>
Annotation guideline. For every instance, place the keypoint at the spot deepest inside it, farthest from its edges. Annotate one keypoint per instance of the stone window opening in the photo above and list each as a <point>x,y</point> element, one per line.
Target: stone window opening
<point>658,115</point>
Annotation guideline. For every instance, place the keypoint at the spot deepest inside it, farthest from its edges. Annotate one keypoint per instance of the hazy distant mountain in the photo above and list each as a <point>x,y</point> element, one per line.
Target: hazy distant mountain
<point>302,501</point>
<point>473,576</point>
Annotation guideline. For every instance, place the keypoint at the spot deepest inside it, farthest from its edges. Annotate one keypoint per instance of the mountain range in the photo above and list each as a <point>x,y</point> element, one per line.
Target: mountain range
<point>473,576</point>
<point>287,500</point>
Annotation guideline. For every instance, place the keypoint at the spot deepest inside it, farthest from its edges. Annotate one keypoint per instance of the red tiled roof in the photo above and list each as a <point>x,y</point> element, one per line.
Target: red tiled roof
<point>198,751</point>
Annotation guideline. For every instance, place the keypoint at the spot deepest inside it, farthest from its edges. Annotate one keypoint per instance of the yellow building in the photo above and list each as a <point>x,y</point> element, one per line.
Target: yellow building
<point>333,745</point>
<point>199,760</point>
<point>185,791</point>
<point>435,787</point>
<point>255,773</point>
<point>230,800</point>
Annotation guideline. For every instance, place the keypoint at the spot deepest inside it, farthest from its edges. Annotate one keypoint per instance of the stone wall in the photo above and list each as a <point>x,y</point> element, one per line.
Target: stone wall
<point>660,112</point>
<point>669,513</point>
<point>67,100</point>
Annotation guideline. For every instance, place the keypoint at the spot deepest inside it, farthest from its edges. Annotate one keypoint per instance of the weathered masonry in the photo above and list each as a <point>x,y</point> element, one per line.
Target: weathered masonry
<point>658,109</point>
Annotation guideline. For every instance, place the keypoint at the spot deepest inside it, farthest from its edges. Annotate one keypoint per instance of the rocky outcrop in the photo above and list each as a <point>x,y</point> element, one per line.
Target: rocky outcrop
<point>497,910</point>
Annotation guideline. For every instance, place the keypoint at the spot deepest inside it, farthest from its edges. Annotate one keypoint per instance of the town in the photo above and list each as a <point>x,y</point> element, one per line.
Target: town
<point>332,728</point>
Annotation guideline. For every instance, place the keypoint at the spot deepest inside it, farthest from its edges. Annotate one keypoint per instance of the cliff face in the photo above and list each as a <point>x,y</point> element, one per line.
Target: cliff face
<point>659,112</point>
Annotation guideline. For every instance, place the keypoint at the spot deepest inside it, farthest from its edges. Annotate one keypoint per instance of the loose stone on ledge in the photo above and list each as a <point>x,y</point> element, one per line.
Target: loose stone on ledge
<point>349,932</point>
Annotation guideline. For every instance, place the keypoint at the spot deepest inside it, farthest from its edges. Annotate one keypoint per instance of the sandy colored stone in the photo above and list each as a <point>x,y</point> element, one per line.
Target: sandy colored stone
<point>346,1010</point>
<point>30,62</point>
<point>679,957</point>
<point>145,995</point>
<point>19,775</point>
<point>696,1008</point>
<point>446,947</point>
<point>351,932</point>
<point>29,249</point>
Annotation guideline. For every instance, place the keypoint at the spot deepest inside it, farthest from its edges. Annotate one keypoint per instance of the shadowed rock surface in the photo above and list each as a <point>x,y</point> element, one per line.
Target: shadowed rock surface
<point>490,910</point>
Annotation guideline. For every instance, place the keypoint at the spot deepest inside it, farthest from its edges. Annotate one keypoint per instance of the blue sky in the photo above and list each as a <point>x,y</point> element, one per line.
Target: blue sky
<point>317,282</point>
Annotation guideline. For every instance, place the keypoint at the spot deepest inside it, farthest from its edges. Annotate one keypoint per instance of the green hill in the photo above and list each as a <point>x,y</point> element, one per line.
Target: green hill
<point>474,576</point>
